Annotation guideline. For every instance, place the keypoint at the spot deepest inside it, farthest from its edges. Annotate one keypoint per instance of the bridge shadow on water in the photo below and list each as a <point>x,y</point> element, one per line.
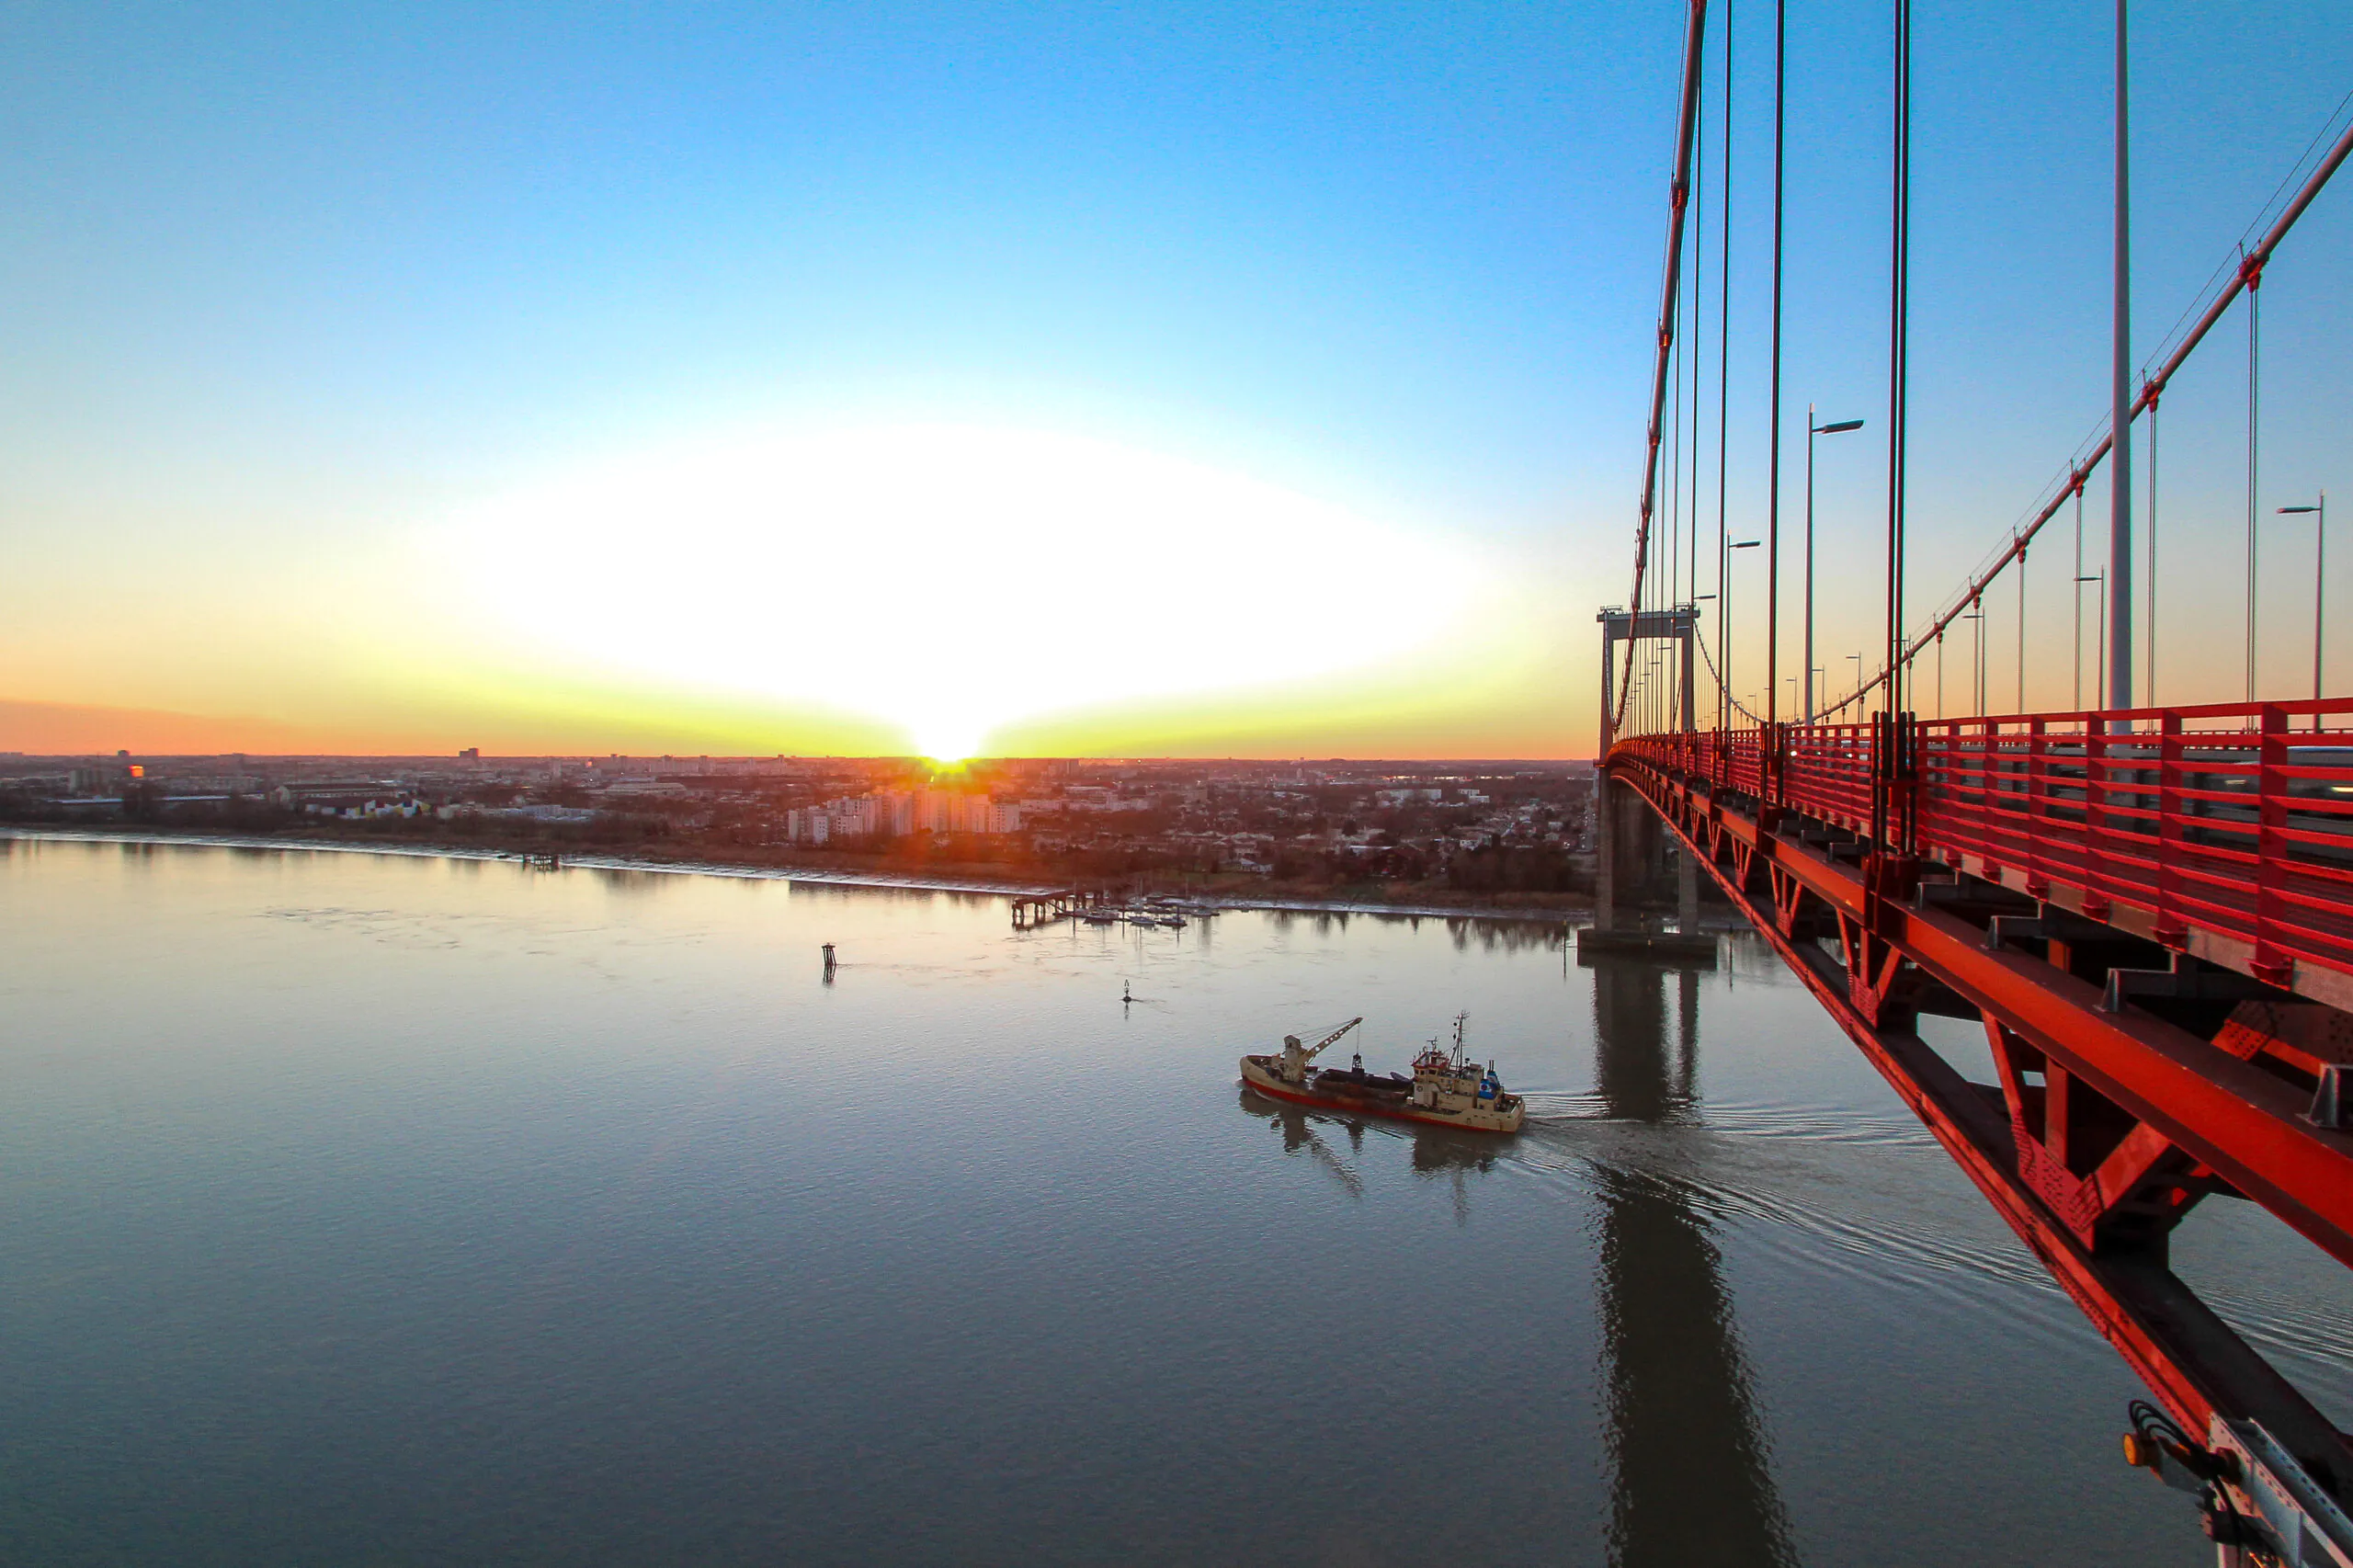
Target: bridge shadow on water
<point>1692,1464</point>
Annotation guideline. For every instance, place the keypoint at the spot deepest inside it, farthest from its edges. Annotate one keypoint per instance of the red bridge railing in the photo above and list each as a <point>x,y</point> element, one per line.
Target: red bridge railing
<point>2229,825</point>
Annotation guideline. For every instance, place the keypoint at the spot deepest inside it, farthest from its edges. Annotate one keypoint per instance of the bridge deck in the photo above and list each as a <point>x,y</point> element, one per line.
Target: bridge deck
<point>2222,831</point>
<point>2150,913</point>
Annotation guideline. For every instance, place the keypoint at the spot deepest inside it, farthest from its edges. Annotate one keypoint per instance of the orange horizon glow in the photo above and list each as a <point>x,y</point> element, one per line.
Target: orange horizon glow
<point>74,730</point>
<point>884,589</point>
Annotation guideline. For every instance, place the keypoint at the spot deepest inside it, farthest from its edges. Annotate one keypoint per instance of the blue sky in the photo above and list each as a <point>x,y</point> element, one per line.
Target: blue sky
<point>291,287</point>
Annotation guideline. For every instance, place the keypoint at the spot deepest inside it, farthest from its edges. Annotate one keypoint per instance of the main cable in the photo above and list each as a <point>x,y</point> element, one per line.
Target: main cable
<point>1678,194</point>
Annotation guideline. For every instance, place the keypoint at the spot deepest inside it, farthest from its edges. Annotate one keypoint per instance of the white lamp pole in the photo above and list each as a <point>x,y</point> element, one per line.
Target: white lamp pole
<point>1811,430</point>
<point>2320,576</point>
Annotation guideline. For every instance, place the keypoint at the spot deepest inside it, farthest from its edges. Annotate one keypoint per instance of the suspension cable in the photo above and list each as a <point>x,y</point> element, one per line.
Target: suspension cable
<point>1699,332</point>
<point>2075,657</point>
<point>2152,556</point>
<point>1723,356</point>
<point>1735,704</point>
<point>2153,385</point>
<point>2254,360</point>
<point>1678,194</point>
<point>1898,350</point>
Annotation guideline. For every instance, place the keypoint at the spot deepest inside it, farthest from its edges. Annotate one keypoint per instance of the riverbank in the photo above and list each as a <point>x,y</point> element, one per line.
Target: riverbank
<point>961,880</point>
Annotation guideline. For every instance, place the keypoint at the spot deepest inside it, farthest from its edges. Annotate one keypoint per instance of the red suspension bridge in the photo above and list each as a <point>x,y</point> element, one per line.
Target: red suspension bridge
<point>2148,910</point>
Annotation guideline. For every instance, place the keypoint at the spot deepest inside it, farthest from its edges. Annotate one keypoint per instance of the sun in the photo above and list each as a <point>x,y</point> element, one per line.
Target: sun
<point>948,580</point>
<point>947,743</point>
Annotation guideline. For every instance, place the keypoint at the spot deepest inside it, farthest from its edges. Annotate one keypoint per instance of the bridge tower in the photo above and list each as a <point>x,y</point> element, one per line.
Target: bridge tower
<point>1617,815</point>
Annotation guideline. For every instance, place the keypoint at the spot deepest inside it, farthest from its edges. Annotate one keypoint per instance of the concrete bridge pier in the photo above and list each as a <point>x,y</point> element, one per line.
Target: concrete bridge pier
<point>1606,791</point>
<point>1687,889</point>
<point>1630,856</point>
<point>1633,852</point>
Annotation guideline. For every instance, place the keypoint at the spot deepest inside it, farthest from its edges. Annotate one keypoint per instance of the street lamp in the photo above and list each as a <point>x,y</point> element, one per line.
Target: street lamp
<point>1977,662</point>
<point>2100,676</point>
<point>2320,559</point>
<point>1811,430</point>
<point>1723,636</point>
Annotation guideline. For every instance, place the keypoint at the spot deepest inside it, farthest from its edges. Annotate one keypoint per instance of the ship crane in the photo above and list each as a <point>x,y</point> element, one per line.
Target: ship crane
<point>1297,1056</point>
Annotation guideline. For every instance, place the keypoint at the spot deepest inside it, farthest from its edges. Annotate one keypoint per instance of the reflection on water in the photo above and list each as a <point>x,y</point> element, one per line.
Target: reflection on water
<point>1694,1485</point>
<point>364,1207</point>
<point>628,880</point>
<point>1485,933</point>
<point>1634,1076</point>
<point>1691,1473</point>
<point>1435,1152</point>
<point>1299,1136</point>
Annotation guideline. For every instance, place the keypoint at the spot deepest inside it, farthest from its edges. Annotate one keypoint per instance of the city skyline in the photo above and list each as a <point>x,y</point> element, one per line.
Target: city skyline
<point>1021,381</point>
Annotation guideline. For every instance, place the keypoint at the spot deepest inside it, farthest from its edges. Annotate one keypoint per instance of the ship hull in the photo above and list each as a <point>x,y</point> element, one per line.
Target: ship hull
<point>1265,1081</point>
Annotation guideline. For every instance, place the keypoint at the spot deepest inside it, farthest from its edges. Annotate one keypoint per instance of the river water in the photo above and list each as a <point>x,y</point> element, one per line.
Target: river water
<point>381,1209</point>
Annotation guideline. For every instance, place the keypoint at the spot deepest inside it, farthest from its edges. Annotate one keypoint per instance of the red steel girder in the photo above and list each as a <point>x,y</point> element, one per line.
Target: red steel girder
<point>2142,1178</point>
<point>2222,831</point>
<point>2199,1106</point>
<point>2234,1115</point>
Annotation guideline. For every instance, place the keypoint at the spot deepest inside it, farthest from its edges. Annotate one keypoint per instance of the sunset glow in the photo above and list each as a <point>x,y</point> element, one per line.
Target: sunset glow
<point>948,580</point>
<point>780,382</point>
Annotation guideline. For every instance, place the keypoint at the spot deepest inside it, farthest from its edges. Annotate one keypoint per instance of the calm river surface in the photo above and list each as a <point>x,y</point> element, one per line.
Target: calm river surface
<point>375,1208</point>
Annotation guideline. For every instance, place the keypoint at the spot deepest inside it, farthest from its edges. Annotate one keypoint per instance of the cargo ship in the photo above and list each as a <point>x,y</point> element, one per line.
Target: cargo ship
<point>1446,1089</point>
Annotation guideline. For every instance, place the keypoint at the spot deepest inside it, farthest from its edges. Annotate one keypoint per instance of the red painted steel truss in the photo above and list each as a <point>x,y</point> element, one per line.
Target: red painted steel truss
<point>2141,920</point>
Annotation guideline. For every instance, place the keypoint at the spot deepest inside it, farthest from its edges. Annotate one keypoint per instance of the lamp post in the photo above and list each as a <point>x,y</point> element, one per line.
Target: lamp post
<point>2099,678</point>
<point>1811,430</point>
<point>1721,718</point>
<point>1977,663</point>
<point>2320,562</point>
<point>1859,686</point>
<point>1723,623</point>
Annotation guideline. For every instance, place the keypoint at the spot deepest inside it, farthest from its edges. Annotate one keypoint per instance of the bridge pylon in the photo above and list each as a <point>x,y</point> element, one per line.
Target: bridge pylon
<point>1678,625</point>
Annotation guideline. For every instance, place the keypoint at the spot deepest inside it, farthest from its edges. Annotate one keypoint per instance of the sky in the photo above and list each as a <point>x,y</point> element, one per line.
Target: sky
<point>1214,380</point>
